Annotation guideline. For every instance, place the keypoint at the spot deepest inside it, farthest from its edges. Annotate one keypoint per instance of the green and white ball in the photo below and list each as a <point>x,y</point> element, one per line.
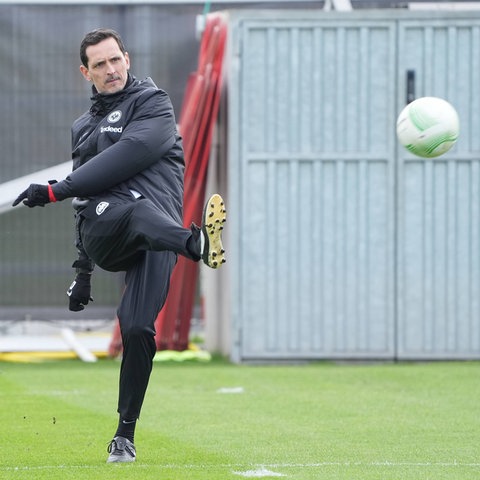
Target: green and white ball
<point>428,127</point>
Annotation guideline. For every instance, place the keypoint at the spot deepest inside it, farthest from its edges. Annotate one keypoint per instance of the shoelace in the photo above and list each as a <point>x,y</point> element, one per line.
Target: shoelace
<point>113,448</point>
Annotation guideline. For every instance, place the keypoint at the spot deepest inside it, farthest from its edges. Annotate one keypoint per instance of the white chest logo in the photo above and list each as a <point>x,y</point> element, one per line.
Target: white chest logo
<point>114,117</point>
<point>101,207</point>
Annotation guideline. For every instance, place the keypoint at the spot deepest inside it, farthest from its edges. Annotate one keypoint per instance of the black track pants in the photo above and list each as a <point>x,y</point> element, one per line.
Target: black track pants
<point>147,284</point>
<point>142,240</point>
<point>117,237</point>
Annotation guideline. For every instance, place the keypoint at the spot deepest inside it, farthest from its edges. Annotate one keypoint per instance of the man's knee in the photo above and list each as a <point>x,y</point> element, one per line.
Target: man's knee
<point>138,336</point>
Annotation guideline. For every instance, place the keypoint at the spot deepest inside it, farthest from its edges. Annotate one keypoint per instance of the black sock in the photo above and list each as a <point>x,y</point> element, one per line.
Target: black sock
<point>126,428</point>
<point>194,242</point>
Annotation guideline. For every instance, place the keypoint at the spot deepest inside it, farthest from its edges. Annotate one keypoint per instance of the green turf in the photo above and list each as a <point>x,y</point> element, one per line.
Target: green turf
<point>317,421</point>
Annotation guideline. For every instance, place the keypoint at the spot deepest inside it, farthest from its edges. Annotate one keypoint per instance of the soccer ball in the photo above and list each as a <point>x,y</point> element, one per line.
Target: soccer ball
<point>428,127</point>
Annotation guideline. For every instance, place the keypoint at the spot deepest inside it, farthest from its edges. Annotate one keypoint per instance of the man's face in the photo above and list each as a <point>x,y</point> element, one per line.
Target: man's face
<point>107,66</point>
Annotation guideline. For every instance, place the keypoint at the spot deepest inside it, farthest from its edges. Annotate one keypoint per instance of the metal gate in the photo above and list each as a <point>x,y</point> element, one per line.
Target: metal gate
<point>438,224</point>
<point>344,245</point>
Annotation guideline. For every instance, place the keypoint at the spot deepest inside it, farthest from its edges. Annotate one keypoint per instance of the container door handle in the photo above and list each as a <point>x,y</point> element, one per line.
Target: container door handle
<point>410,86</point>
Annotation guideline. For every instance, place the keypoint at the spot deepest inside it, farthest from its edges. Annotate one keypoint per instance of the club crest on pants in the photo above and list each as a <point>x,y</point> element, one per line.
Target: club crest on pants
<point>101,207</point>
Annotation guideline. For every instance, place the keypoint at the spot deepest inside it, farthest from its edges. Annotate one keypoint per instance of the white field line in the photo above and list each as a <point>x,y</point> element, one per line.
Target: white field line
<point>250,466</point>
<point>262,472</point>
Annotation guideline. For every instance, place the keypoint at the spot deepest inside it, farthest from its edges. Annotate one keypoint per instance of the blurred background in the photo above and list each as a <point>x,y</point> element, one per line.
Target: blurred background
<point>41,93</point>
<point>342,244</point>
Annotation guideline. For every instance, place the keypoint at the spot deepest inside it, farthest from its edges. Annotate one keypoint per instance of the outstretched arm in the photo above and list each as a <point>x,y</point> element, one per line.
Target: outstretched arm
<point>144,141</point>
<point>148,136</point>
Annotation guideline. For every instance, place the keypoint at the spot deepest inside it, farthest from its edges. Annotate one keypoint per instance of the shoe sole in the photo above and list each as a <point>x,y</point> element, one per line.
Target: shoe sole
<point>122,459</point>
<point>214,218</point>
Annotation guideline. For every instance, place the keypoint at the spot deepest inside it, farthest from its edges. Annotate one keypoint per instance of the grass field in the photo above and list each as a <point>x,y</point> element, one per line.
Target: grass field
<point>216,421</point>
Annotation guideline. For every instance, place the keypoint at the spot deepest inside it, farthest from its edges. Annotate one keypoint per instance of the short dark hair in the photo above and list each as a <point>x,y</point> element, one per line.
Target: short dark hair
<point>97,36</point>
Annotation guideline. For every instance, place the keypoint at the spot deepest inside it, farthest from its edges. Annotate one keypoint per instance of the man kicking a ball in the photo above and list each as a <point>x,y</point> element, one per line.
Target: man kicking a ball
<point>127,190</point>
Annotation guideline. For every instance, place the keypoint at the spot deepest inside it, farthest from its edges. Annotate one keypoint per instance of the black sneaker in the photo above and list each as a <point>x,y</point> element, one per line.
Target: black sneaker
<point>214,217</point>
<point>121,450</point>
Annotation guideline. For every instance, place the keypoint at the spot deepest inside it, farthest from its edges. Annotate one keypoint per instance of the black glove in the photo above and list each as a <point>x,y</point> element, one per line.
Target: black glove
<point>79,292</point>
<point>35,195</point>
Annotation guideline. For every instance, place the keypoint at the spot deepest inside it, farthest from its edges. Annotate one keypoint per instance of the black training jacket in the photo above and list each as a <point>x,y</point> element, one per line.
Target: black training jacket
<point>128,141</point>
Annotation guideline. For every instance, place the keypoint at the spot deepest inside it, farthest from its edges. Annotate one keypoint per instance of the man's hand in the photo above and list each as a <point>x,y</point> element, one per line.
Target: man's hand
<point>79,292</point>
<point>36,196</point>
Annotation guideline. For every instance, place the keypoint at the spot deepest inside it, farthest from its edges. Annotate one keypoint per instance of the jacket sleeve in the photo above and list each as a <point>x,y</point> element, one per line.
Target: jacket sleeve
<point>83,264</point>
<point>149,135</point>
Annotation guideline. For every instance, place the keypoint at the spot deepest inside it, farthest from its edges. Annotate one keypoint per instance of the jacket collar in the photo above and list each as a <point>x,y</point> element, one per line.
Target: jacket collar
<point>102,103</point>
